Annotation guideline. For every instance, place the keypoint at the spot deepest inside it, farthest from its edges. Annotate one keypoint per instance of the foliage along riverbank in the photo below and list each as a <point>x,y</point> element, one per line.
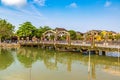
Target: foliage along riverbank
<point>27,29</point>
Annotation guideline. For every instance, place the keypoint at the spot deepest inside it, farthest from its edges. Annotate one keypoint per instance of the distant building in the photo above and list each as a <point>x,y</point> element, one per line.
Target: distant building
<point>79,33</point>
<point>93,32</point>
<point>60,29</point>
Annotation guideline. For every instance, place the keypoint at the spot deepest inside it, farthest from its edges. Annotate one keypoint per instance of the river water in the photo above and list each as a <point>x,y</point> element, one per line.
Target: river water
<point>37,64</point>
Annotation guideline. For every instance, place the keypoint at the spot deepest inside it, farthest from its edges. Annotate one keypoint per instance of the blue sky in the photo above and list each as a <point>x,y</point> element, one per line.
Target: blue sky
<point>79,15</point>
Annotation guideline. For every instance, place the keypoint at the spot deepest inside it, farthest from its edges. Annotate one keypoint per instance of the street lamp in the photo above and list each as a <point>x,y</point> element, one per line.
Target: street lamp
<point>92,40</point>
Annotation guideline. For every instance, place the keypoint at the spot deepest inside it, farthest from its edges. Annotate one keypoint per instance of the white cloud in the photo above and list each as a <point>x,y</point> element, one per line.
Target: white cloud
<point>107,4</point>
<point>20,15</point>
<point>14,2</point>
<point>73,5</point>
<point>40,2</point>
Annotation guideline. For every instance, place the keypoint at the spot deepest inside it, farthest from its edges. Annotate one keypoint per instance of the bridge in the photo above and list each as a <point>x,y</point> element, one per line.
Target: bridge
<point>73,46</point>
<point>51,40</point>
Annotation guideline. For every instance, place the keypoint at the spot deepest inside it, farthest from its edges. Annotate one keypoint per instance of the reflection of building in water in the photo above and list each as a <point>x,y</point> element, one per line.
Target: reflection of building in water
<point>93,71</point>
<point>69,63</point>
<point>113,54</point>
<point>66,59</point>
<point>51,59</point>
<point>91,68</point>
<point>50,64</point>
<point>112,70</point>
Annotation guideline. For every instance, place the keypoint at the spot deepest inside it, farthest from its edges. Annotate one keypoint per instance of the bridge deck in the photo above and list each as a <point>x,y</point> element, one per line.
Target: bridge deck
<point>72,45</point>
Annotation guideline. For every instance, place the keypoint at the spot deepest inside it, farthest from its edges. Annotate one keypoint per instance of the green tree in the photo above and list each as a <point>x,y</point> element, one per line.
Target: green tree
<point>41,30</point>
<point>79,37</point>
<point>45,28</point>
<point>111,37</point>
<point>6,29</point>
<point>26,30</point>
<point>117,36</point>
<point>72,34</point>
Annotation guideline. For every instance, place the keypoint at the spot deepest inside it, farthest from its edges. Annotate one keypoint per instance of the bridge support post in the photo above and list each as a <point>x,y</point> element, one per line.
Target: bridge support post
<point>97,52</point>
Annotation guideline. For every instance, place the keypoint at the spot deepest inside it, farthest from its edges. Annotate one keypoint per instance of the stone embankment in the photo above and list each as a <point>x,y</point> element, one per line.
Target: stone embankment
<point>10,45</point>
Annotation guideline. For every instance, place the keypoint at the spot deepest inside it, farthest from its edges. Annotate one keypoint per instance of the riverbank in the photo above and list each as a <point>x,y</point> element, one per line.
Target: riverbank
<point>10,45</point>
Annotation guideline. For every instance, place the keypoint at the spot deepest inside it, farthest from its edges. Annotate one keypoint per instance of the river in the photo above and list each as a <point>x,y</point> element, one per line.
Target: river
<point>38,64</point>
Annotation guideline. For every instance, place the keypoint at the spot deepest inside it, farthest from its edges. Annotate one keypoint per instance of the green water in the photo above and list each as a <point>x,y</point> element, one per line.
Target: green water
<point>38,64</point>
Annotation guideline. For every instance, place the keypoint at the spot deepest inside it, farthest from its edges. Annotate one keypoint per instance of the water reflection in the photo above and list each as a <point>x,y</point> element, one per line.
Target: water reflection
<point>27,56</point>
<point>6,58</point>
<point>54,61</point>
<point>51,59</point>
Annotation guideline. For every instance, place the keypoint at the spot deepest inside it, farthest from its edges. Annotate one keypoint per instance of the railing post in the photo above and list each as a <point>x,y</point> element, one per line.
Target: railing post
<point>69,40</point>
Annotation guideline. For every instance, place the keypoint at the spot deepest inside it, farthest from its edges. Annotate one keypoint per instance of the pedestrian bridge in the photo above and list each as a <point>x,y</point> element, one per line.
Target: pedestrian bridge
<point>61,41</point>
<point>72,46</point>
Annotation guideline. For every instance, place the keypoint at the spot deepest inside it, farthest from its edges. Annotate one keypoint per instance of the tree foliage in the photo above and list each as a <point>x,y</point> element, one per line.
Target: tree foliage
<point>72,34</point>
<point>26,29</point>
<point>6,29</point>
<point>41,30</point>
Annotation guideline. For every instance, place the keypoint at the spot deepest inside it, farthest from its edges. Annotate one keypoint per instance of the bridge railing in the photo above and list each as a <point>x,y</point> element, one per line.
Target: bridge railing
<point>27,42</point>
<point>107,45</point>
<point>81,43</point>
<point>61,42</point>
<point>77,43</point>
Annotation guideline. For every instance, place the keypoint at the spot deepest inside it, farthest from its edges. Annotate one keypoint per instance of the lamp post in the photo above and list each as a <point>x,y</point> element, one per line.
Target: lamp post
<point>92,40</point>
<point>106,37</point>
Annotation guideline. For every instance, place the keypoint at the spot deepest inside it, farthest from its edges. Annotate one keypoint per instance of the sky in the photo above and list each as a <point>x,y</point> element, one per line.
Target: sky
<point>78,15</point>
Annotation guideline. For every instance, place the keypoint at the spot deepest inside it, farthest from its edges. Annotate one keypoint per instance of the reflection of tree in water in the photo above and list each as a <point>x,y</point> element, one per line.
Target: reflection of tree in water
<point>27,56</point>
<point>67,59</point>
<point>93,71</point>
<point>51,59</point>
<point>6,59</point>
